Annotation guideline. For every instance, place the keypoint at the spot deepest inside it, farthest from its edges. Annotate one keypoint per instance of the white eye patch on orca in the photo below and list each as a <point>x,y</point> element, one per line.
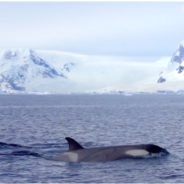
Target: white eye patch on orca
<point>137,152</point>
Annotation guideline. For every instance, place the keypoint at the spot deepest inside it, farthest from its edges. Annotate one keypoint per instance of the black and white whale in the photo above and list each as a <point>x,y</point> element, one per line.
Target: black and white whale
<point>78,153</point>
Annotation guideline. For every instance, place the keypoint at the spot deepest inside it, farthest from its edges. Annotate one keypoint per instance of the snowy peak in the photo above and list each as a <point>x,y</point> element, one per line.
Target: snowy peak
<point>13,54</point>
<point>172,76</point>
<point>27,58</point>
<point>46,69</point>
<point>19,67</point>
<point>178,56</point>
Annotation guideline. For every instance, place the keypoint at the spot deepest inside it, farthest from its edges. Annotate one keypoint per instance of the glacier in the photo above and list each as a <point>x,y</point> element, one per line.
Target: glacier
<point>28,71</point>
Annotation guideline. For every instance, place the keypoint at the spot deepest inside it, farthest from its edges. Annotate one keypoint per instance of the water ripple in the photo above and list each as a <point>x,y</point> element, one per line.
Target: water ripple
<point>40,123</point>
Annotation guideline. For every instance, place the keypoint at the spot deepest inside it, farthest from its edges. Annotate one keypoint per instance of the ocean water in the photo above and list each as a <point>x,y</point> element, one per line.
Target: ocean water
<point>40,124</point>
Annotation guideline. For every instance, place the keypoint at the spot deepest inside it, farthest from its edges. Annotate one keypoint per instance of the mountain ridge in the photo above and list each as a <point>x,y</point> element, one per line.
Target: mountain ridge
<point>29,71</point>
<point>20,66</point>
<point>174,72</point>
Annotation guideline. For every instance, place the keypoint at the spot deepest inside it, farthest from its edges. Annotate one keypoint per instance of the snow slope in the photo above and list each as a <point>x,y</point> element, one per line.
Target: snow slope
<point>24,70</point>
<point>172,77</point>
<point>30,71</point>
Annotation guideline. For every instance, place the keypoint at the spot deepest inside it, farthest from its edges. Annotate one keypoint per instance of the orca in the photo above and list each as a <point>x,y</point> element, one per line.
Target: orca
<point>78,153</point>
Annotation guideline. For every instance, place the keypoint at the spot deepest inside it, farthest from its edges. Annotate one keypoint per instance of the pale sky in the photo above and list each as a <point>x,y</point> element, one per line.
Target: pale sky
<point>107,28</point>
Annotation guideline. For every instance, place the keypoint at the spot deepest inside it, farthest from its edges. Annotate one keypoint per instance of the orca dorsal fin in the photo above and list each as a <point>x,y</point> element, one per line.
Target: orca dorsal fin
<point>73,145</point>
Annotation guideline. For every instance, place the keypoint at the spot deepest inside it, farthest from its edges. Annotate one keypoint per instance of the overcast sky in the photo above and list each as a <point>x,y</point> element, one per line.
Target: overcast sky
<point>108,28</point>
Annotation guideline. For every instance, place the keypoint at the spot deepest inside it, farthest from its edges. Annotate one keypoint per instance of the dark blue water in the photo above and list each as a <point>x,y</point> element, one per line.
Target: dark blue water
<point>40,123</point>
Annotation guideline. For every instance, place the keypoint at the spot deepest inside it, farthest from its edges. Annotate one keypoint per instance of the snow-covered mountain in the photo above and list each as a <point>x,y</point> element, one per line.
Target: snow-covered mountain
<point>23,70</point>
<point>172,77</point>
<point>30,71</point>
